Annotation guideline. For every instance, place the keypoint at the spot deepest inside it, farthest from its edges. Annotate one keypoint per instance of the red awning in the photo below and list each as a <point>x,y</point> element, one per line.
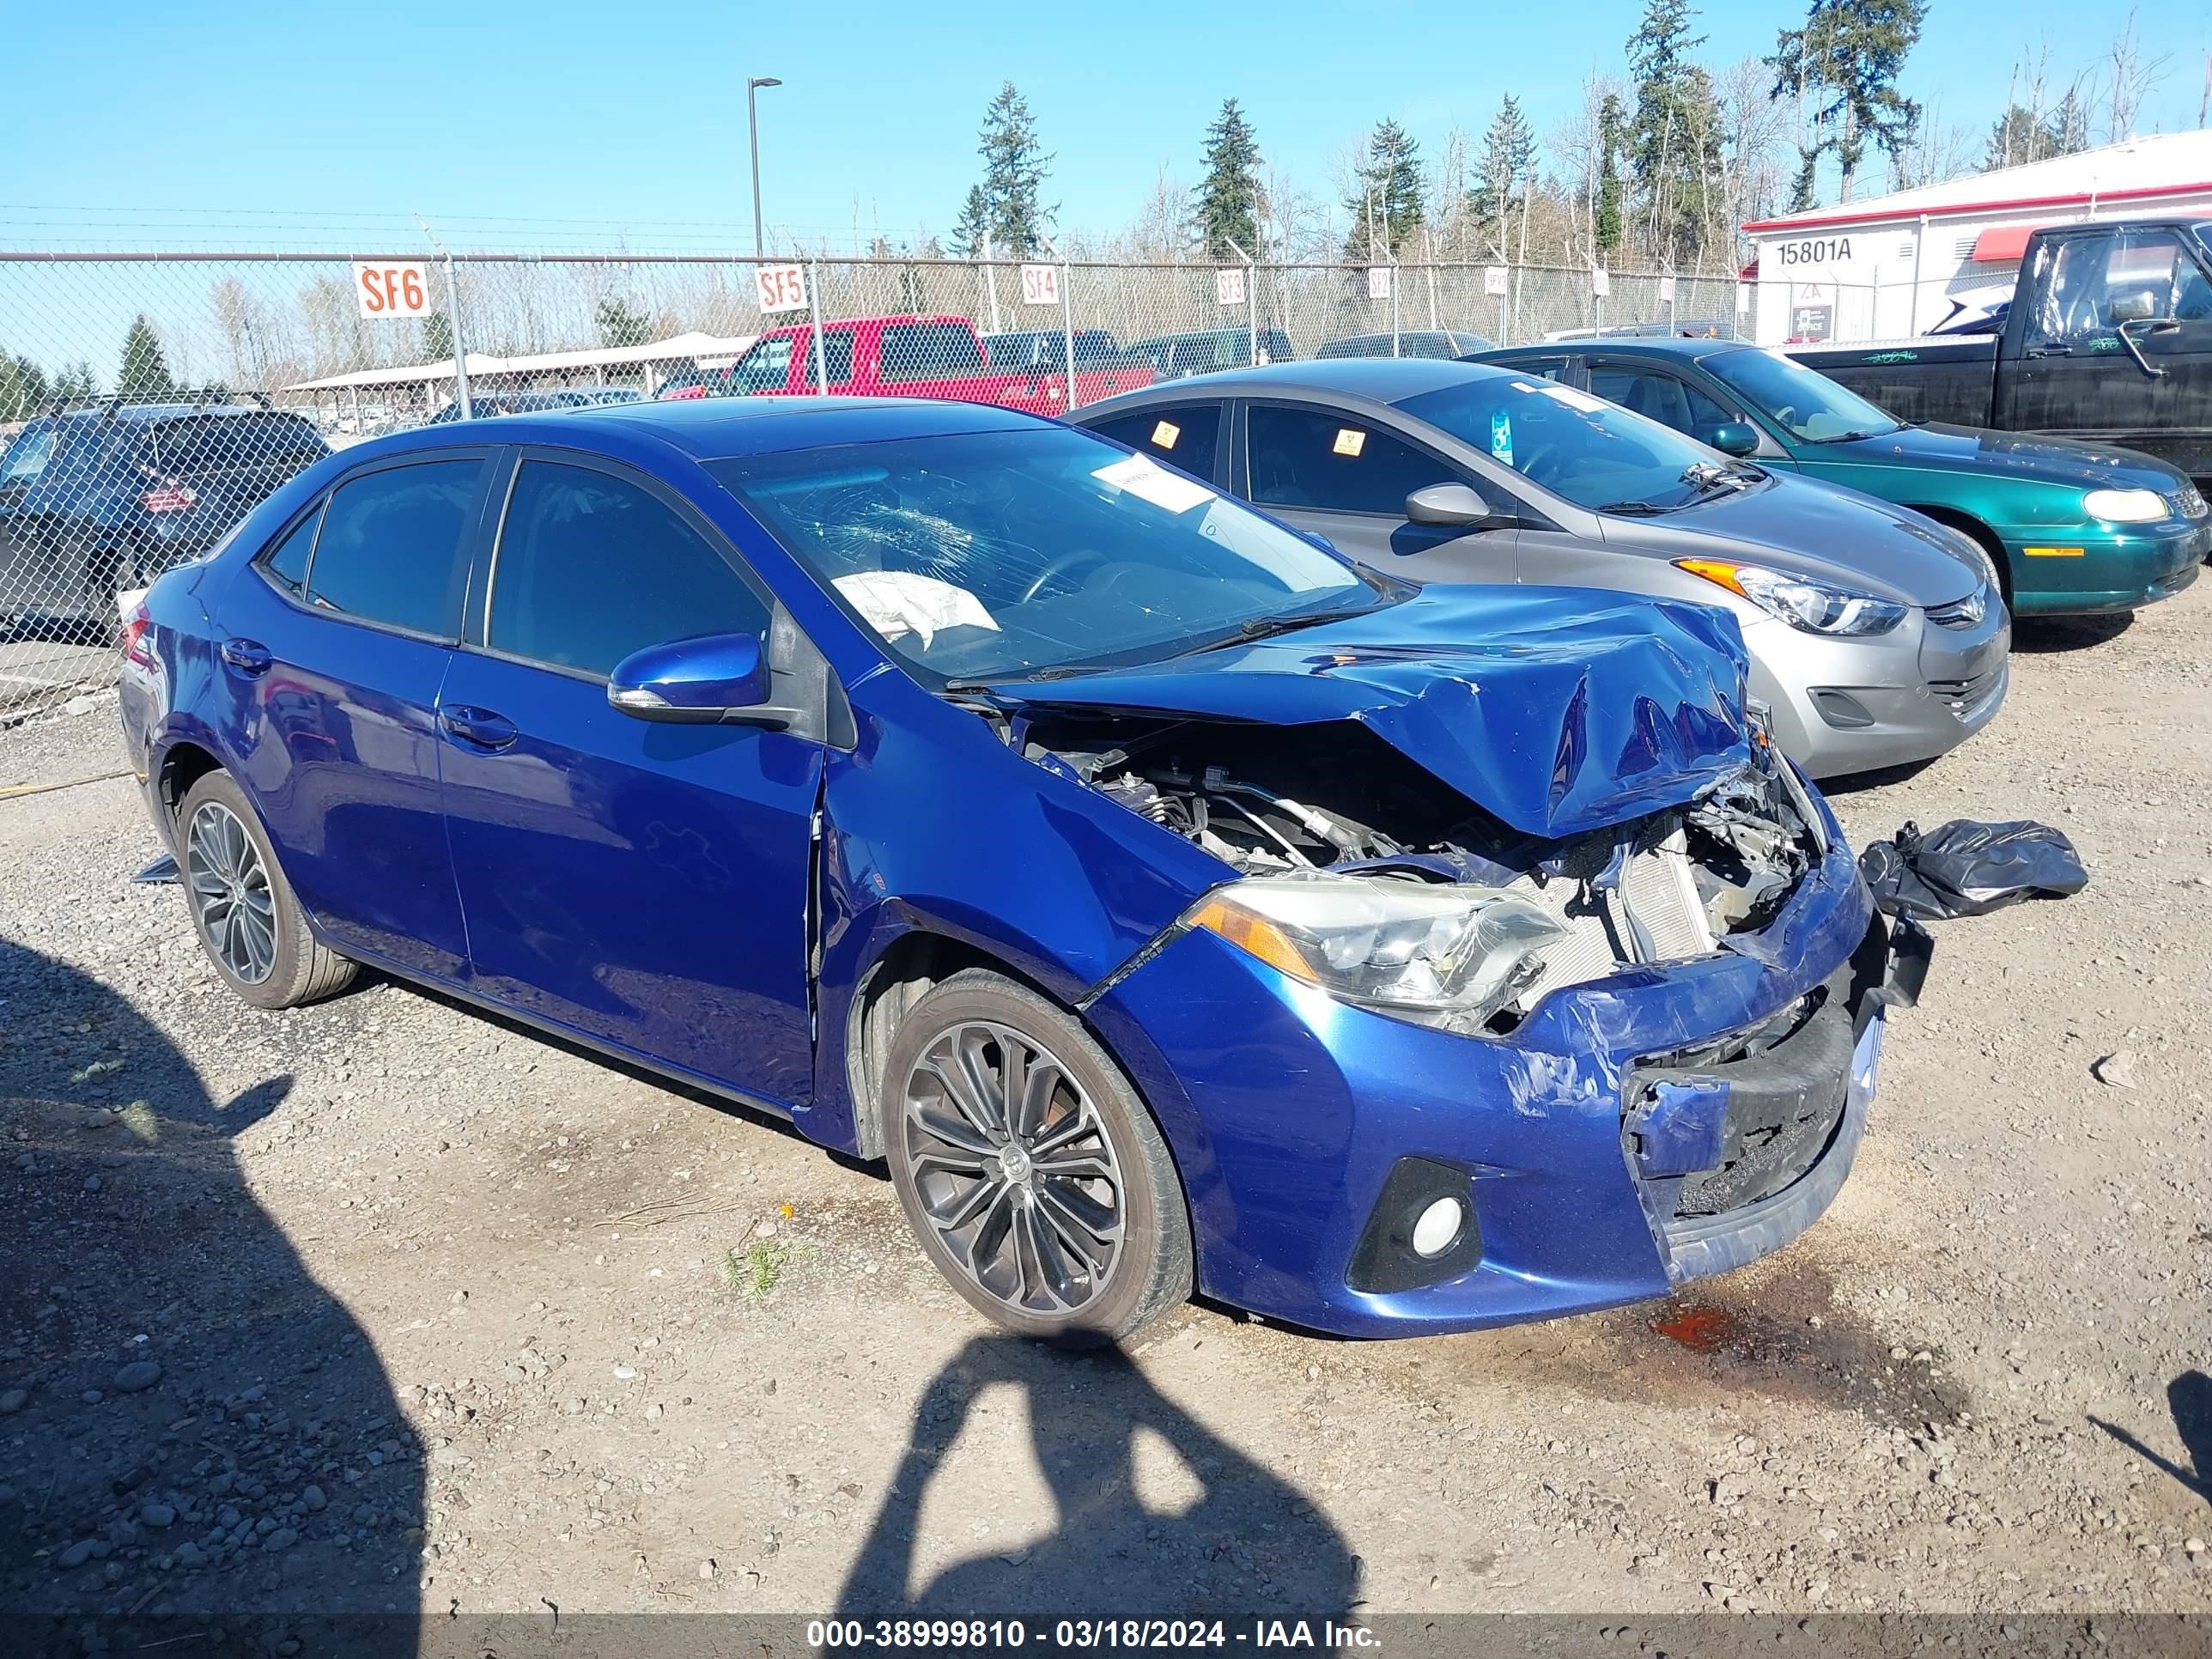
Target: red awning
<point>1999,243</point>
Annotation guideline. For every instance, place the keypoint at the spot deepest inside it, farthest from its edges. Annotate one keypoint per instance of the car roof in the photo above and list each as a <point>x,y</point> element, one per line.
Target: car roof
<point>722,428</point>
<point>1649,345</point>
<point>1383,379</point>
<point>157,414</point>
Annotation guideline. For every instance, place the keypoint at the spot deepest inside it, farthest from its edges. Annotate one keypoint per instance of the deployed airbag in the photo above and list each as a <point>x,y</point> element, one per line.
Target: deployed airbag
<point>1969,868</point>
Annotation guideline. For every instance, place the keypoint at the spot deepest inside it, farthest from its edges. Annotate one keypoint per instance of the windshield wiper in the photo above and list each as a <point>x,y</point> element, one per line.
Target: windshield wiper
<point>1706,478</point>
<point>1635,509</point>
<point>1853,437</point>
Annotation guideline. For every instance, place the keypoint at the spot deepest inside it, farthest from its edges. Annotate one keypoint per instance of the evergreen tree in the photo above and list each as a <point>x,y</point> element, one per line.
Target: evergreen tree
<point>1673,131</point>
<point>1014,169</point>
<point>1386,207</point>
<point>1848,54</point>
<point>967,229</point>
<point>1509,151</point>
<point>437,336</point>
<point>75,384</point>
<point>1612,136</point>
<point>23,390</point>
<point>145,372</point>
<point>1229,197</point>
<point>2020,135</point>
<point>621,324</point>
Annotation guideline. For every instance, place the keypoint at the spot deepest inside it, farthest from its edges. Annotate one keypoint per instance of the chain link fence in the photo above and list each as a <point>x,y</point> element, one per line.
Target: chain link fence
<point>148,402</point>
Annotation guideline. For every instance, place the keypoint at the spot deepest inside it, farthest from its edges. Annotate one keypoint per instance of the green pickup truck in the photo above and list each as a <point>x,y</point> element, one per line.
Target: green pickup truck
<point>2072,528</point>
<point>2107,338</point>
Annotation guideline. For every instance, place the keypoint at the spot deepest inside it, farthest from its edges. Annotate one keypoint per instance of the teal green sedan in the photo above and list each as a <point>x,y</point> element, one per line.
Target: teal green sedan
<point>2071,528</point>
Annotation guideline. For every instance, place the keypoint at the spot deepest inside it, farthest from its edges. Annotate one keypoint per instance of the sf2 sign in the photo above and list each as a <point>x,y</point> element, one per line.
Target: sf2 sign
<point>391,290</point>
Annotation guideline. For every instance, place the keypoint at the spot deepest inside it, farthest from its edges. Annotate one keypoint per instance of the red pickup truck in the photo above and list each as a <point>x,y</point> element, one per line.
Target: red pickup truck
<point>905,357</point>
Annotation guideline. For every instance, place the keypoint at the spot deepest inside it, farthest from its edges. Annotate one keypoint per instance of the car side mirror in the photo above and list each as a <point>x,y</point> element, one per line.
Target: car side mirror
<point>2137,308</point>
<point>1737,438</point>
<point>716,679</point>
<point>1450,504</point>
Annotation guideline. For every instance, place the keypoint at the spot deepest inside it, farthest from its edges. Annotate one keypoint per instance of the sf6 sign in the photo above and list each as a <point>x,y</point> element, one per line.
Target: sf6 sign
<point>391,290</point>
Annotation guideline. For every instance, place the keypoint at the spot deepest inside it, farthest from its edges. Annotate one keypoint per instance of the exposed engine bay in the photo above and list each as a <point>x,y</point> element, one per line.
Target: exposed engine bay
<point>1333,804</point>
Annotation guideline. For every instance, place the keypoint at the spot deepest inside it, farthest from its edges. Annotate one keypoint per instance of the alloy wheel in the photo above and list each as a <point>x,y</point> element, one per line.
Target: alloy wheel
<point>1014,1168</point>
<point>229,888</point>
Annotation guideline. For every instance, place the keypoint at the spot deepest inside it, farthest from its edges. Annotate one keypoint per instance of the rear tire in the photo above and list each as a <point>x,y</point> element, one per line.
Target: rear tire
<point>249,921</point>
<point>1034,1176</point>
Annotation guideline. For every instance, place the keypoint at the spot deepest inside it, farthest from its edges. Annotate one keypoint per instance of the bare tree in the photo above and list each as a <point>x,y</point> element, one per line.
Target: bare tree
<point>2133,75</point>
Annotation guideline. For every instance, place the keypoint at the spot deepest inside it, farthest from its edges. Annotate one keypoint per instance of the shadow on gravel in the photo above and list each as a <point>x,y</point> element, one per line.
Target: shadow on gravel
<point>1249,1543</point>
<point>2190,1397</point>
<point>190,1425</point>
<point>2040,636</point>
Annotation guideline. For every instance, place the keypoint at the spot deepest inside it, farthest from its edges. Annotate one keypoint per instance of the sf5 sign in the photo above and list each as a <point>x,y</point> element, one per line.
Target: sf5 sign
<point>391,290</point>
<point>783,287</point>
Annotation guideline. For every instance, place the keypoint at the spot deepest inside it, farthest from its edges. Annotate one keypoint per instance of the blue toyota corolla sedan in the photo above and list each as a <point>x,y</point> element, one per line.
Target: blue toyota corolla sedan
<point>1171,905</point>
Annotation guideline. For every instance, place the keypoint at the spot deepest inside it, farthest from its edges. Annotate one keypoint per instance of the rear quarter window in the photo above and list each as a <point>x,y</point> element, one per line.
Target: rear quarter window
<point>928,351</point>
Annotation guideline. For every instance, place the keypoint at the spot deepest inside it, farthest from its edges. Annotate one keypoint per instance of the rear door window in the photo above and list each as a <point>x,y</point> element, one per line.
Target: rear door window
<point>593,566</point>
<point>1657,396</point>
<point>392,548</point>
<point>928,351</point>
<point>1186,435</point>
<point>1303,457</point>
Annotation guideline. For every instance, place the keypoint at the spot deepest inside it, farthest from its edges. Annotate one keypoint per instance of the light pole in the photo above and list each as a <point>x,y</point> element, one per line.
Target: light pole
<point>752,143</point>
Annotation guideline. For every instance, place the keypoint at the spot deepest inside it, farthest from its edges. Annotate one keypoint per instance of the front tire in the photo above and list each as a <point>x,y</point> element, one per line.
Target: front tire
<point>249,921</point>
<point>1033,1175</point>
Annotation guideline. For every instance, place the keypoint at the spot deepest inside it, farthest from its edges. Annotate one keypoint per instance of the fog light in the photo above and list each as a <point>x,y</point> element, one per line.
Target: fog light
<point>1439,1225</point>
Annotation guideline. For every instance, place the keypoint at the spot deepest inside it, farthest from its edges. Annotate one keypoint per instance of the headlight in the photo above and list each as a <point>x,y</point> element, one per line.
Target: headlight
<point>1441,954</point>
<point>1818,607</point>
<point>2125,506</point>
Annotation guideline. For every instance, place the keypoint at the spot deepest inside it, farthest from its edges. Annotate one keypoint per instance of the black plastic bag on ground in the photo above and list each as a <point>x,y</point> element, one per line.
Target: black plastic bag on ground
<point>1969,868</point>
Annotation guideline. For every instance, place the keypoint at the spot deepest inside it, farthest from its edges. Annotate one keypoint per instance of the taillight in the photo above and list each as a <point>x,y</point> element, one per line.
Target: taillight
<point>138,627</point>
<point>168,498</point>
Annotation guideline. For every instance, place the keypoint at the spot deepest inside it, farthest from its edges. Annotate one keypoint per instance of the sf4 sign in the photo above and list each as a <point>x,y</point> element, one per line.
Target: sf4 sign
<point>390,291</point>
<point>1040,285</point>
<point>783,287</point>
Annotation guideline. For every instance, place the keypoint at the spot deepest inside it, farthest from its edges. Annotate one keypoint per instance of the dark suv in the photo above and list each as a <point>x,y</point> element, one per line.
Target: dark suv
<point>98,499</point>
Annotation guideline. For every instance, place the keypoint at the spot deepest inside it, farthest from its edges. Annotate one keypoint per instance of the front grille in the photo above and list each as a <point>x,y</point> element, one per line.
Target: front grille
<point>1967,698</point>
<point>2188,502</point>
<point>1962,613</point>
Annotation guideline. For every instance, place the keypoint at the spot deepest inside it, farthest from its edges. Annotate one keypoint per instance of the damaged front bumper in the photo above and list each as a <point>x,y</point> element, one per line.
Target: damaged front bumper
<point>1299,1120</point>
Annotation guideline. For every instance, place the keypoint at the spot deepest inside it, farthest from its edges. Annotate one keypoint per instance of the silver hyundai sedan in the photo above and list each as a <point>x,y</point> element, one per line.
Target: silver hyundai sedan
<point>1877,637</point>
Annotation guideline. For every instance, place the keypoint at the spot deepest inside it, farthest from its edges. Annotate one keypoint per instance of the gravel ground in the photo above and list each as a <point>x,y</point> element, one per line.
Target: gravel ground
<point>382,1304</point>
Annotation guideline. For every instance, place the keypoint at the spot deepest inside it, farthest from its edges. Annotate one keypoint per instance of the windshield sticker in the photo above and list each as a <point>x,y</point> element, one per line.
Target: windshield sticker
<point>1165,433</point>
<point>895,603</point>
<point>1350,441</point>
<point>1501,436</point>
<point>1148,481</point>
<point>1572,399</point>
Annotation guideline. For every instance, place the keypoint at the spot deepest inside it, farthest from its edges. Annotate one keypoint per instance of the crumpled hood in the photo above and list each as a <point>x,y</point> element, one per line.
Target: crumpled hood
<point>2012,454</point>
<point>1558,710</point>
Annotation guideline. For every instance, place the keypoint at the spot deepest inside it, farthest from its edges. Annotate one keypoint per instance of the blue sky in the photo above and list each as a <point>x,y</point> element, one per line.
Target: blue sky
<point>240,124</point>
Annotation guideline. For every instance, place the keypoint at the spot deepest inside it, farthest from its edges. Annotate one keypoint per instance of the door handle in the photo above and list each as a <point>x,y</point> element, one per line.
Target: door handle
<point>480,728</point>
<point>247,656</point>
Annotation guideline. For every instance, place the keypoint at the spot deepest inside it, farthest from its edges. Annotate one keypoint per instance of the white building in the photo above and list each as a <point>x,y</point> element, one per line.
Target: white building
<point>1892,265</point>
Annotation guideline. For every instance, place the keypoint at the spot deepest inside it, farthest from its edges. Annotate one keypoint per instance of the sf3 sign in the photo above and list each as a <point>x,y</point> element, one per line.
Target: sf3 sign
<point>391,290</point>
<point>783,287</point>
